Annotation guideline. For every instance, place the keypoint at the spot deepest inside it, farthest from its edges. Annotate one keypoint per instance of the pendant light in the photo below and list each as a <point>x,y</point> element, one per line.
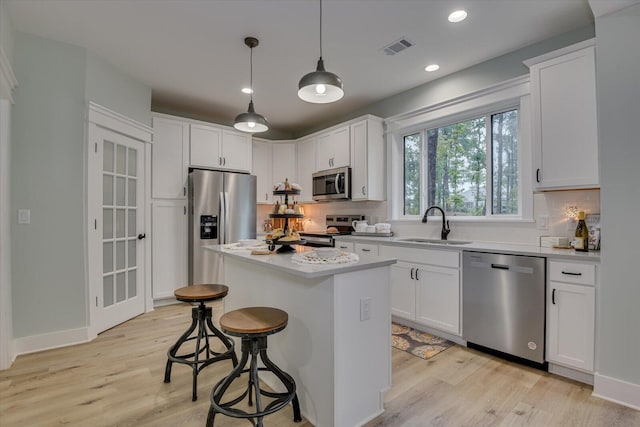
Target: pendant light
<point>320,86</point>
<point>251,121</point>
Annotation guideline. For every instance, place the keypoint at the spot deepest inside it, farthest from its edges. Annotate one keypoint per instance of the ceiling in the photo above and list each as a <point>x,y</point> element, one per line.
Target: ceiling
<point>191,52</point>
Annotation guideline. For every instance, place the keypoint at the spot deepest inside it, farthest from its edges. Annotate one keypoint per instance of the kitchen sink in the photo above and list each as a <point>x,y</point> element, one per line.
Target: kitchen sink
<point>432,241</point>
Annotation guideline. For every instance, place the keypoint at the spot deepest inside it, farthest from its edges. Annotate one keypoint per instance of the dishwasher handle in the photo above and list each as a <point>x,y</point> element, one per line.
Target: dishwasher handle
<point>500,266</point>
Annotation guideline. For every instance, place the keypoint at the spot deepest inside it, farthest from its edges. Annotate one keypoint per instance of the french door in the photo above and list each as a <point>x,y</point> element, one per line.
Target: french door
<point>116,249</point>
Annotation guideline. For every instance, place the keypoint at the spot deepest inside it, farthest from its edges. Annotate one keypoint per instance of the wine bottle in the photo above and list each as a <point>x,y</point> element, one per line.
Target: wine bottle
<point>581,242</point>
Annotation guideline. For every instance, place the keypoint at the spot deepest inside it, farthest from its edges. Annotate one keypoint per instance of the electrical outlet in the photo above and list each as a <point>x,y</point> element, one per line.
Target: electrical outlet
<point>543,222</point>
<point>365,309</point>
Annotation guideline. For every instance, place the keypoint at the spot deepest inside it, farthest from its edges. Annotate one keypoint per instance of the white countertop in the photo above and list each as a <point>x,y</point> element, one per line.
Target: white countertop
<point>505,248</point>
<point>284,263</point>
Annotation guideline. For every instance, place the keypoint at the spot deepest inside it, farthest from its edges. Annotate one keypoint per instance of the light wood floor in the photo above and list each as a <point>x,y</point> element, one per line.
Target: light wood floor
<point>117,380</point>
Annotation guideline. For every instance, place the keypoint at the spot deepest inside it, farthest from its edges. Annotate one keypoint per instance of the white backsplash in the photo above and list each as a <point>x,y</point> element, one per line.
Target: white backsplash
<point>554,205</point>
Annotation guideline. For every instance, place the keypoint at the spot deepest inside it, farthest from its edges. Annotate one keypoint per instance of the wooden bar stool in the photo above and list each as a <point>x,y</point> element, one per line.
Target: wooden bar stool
<point>201,318</point>
<point>253,325</point>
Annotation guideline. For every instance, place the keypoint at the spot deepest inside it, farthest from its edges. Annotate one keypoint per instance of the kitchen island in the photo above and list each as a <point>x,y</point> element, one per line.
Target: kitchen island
<point>337,345</point>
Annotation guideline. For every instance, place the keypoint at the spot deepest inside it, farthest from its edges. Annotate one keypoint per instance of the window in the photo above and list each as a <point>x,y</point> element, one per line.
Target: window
<point>457,168</point>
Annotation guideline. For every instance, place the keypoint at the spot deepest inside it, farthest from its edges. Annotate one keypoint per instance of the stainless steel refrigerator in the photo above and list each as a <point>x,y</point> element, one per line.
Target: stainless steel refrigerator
<point>222,209</point>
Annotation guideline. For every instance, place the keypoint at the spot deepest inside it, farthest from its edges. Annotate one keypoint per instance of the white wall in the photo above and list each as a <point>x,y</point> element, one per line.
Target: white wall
<point>618,80</point>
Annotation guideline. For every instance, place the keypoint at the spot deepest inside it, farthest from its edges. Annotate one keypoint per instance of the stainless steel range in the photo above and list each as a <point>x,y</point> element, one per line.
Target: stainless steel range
<point>337,225</point>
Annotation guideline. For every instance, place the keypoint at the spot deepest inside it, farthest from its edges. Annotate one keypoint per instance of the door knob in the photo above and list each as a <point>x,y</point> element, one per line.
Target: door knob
<point>141,236</point>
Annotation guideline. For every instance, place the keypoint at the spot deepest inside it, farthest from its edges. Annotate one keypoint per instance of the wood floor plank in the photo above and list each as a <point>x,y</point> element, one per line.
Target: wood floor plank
<point>117,380</point>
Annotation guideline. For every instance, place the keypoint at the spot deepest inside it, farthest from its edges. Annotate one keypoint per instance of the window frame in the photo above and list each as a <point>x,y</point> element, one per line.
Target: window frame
<point>512,94</point>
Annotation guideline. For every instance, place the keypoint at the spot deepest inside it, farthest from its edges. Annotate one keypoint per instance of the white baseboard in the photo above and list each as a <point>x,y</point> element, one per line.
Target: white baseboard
<point>617,391</point>
<point>33,343</point>
<point>159,302</point>
<point>570,373</point>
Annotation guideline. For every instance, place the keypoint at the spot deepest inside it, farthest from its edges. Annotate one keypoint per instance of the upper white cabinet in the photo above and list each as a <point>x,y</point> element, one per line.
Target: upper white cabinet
<point>263,170</point>
<point>367,160</point>
<point>284,162</point>
<point>333,149</point>
<point>218,148</point>
<point>306,163</point>
<point>571,314</point>
<point>564,128</point>
<point>169,158</point>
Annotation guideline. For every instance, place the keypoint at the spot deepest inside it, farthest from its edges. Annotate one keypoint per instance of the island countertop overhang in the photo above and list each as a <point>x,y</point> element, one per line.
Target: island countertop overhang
<point>283,262</point>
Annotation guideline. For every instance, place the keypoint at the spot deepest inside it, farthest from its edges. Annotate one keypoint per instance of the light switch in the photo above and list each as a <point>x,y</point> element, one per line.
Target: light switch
<point>365,309</point>
<point>24,216</point>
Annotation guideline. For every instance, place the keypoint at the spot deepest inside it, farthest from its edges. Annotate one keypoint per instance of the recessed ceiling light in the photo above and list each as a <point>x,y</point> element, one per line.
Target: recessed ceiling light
<point>457,16</point>
<point>432,67</point>
<point>247,90</point>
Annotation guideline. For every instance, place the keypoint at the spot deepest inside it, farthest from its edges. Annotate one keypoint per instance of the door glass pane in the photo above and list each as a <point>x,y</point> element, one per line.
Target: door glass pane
<point>131,222</point>
<point>107,291</point>
<point>131,254</point>
<point>107,223</point>
<point>120,191</point>
<point>120,255</point>
<point>107,159</point>
<point>133,159</point>
<point>121,287</point>
<point>107,257</point>
<point>121,157</point>
<point>107,190</point>
<point>120,222</point>
<point>131,284</point>
<point>132,191</point>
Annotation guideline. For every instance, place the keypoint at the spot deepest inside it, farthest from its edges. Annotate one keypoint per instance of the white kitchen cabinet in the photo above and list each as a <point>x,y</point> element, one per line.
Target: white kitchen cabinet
<point>284,162</point>
<point>168,247</point>
<point>425,286</point>
<point>571,314</point>
<point>564,114</point>
<point>169,158</point>
<point>438,297</point>
<point>306,164</point>
<point>366,249</point>
<point>333,149</point>
<point>345,246</point>
<point>263,170</point>
<point>217,148</point>
<point>367,160</point>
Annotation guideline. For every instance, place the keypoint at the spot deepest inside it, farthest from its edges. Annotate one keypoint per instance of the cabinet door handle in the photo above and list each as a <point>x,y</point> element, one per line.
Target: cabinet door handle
<point>219,161</point>
<point>569,273</point>
<point>366,250</point>
<point>412,274</point>
<point>417,278</point>
<point>538,175</point>
<point>224,161</point>
<point>184,210</point>
<point>553,297</point>
<point>266,196</point>
<point>364,192</point>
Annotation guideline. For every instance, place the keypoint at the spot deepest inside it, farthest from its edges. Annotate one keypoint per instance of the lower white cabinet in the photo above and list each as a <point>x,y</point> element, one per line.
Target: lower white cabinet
<point>345,246</point>
<point>571,314</point>
<point>366,249</point>
<point>168,246</point>
<point>425,286</point>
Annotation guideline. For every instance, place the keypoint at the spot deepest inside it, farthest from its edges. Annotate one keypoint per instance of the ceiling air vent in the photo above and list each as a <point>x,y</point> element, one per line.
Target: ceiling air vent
<point>397,46</point>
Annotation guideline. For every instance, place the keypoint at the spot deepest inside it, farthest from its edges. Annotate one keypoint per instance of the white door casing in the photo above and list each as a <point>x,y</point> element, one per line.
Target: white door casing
<point>117,189</point>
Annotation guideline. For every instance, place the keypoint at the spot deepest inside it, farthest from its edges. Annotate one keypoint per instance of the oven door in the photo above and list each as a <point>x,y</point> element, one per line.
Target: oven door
<point>317,241</point>
<point>333,184</point>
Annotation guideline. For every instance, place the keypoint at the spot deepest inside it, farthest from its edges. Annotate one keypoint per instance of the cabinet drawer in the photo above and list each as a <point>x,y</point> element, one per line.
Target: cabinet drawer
<point>365,248</point>
<point>572,272</point>
<point>345,246</point>
<point>442,258</point>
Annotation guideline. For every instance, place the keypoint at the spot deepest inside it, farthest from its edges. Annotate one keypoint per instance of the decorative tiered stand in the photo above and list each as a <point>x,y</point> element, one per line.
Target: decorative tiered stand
<point>286,245</point>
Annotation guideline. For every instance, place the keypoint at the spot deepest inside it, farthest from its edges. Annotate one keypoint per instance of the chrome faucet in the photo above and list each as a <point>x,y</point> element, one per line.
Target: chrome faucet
<point>445,223</point>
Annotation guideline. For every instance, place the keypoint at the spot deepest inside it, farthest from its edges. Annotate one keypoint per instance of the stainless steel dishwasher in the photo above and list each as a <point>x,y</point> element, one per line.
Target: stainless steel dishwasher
<point>503,304</point>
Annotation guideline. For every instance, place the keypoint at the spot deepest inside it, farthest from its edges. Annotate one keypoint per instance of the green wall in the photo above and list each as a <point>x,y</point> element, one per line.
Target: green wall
<point>618,79</point>
<point>47,177</point>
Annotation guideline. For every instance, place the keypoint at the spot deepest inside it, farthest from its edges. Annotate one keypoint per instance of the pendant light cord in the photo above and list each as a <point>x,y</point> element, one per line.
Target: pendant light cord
<point>251,73</point>
<point>320,29</point>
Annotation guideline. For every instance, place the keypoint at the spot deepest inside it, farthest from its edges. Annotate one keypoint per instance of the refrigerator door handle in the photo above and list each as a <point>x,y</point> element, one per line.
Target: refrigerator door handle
<point>227,232</point>
<point>222,221</point>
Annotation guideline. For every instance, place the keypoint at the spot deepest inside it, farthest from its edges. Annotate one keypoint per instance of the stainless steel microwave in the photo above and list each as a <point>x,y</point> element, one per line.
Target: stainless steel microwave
<point>332,184</point>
